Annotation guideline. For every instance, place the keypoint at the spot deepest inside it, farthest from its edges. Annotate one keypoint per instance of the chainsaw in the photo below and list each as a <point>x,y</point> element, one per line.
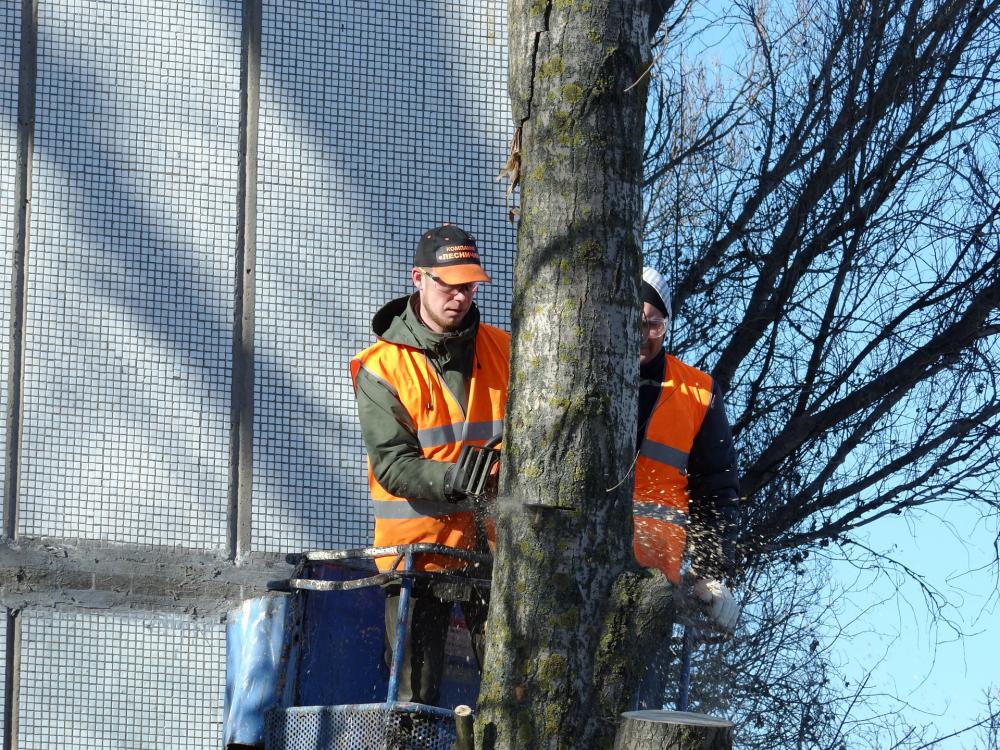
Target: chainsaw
<point>475,467</point>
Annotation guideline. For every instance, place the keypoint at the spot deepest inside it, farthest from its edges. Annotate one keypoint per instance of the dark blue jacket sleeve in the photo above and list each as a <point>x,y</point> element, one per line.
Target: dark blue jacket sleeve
<point>713,481</point>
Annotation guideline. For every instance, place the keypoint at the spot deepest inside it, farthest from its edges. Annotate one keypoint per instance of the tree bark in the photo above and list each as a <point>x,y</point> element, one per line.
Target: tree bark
<point>571,613</point>
<point>673,730</point>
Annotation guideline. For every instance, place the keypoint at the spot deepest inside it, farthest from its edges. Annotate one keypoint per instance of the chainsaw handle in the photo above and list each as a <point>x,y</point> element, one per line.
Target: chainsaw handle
<point>474,466</point>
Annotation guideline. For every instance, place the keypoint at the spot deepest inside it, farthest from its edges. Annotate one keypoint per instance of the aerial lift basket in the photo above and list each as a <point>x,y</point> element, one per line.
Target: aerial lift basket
<point>306,667</point>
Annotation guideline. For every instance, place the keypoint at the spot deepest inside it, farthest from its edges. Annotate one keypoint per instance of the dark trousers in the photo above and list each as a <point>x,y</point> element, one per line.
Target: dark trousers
<point>424,644</point>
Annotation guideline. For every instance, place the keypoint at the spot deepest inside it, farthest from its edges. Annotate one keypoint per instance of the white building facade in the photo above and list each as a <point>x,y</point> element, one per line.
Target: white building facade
<point>202,203</point>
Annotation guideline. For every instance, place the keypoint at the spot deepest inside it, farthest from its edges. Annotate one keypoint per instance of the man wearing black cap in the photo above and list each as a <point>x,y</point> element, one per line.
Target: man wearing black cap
<point>686,482</point>
<point>435,379</point>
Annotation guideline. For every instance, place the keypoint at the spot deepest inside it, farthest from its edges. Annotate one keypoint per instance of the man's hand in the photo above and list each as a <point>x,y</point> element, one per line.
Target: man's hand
<point>474,475</point>
<point>454,485</point>
<point>719,601</point>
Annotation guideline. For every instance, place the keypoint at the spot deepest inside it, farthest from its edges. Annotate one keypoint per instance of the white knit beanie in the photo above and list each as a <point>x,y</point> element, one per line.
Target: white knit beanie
<point>660,286</point>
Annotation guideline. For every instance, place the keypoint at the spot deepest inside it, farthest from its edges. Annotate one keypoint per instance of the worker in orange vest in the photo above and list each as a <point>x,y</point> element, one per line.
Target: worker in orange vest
<point>686,495</point>
<point>435,379</point>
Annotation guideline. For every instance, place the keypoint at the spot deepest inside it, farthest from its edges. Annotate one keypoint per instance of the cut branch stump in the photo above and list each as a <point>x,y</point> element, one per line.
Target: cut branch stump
<point>673,730</point>
<point>464,739</point>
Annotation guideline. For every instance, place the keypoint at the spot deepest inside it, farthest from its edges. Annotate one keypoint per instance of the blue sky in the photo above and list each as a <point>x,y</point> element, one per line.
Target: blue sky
<point>943,677</point>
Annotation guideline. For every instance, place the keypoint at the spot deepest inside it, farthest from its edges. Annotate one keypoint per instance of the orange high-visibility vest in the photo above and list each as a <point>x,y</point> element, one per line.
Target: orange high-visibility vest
<point>660,499</point>
<point>442,427</point>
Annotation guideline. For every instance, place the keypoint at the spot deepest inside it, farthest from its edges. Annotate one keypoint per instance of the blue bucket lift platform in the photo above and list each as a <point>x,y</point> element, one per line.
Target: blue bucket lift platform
<point>306,667</point>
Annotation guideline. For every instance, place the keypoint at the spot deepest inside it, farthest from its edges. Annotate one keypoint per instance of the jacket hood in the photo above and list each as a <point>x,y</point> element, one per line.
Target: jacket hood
<point>398,323</point>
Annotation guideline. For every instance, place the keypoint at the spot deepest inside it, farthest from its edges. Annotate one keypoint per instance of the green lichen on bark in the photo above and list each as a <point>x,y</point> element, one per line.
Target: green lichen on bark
<point>532,471</point>
<point>589,252</point>
<point>551,68</point>
<point>552,667</point>
<point>538,7</point>
<point>572,93</point>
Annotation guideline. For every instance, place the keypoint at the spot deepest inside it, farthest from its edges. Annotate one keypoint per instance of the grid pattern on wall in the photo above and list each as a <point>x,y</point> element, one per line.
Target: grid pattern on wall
<point>129,322</point>
<point>10,40</point>
<point>377,121</point>
<point>120,681</point>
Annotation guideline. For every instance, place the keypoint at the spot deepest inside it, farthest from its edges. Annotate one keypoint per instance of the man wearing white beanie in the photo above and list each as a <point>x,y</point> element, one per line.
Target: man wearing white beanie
<point>686,481</point>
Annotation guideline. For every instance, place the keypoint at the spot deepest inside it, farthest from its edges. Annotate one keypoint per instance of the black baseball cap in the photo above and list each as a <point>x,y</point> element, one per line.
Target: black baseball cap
<point>452,253</point>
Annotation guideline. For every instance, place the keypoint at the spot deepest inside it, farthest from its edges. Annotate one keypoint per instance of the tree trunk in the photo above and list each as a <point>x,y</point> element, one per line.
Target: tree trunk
<point>571,613</point>
<point>673,730</point>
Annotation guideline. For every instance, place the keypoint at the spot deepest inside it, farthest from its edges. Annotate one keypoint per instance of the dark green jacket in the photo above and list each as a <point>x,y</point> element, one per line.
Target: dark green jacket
<point>388,430</point>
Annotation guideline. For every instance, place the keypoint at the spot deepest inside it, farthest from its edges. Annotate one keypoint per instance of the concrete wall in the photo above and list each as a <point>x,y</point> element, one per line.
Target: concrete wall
<point>180,413</point>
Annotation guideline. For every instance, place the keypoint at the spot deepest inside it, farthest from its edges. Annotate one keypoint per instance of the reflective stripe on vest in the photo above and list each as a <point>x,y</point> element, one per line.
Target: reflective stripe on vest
<point>442,426</point>
<point>417,509</point>
<point>449,433</point>
<point>660,500</point>
<point>665,454</point>
<point>657,512</point>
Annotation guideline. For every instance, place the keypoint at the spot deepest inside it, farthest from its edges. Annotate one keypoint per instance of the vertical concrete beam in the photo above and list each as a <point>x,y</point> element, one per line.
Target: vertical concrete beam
<point>241,427</point>
<point>28,75</point>
<point>12,680</point>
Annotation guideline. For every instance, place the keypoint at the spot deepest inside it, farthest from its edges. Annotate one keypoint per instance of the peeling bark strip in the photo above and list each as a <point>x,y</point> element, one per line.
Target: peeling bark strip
<point>565,639</point>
